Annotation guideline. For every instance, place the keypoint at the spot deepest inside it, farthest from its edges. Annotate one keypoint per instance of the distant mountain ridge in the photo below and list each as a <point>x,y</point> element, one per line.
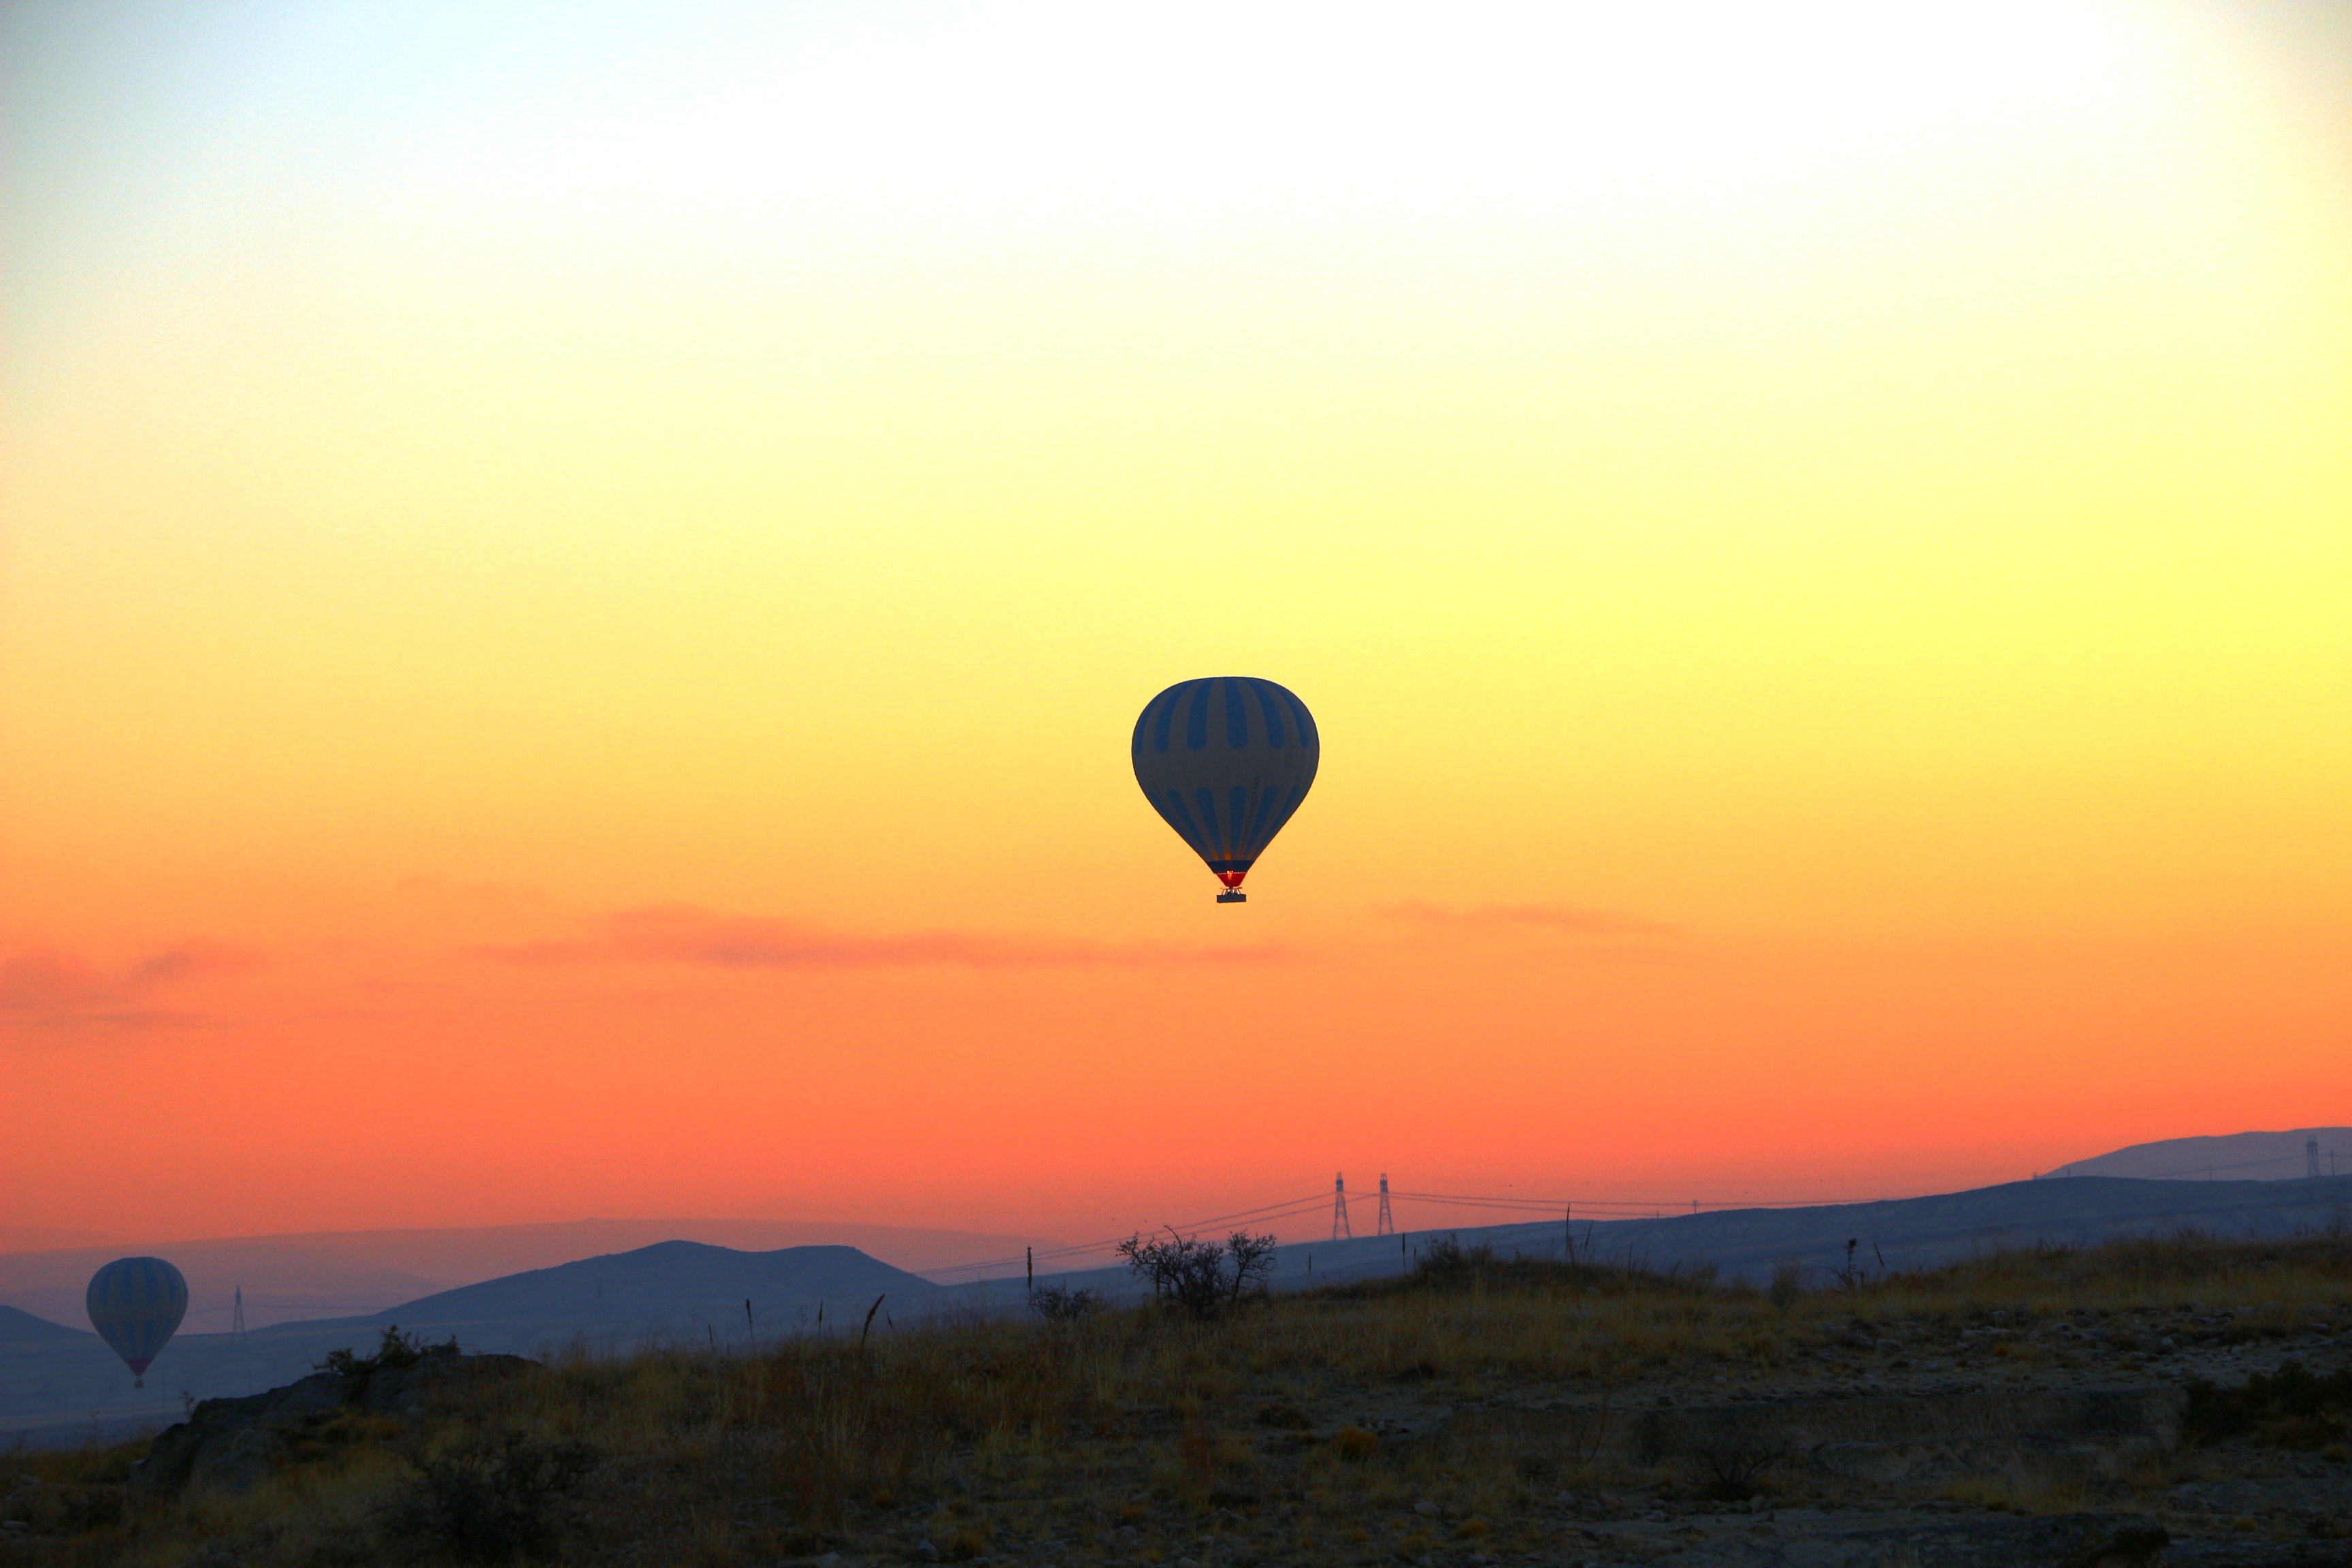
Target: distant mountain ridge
<point>2226,1157</point>
<point>17,1326</point>
<point>337,1274</point>
<point>62,1389</point>
<point>670,1289</point>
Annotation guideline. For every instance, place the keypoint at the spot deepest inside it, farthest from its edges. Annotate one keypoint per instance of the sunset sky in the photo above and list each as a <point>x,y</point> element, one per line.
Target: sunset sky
<point>574,580</point>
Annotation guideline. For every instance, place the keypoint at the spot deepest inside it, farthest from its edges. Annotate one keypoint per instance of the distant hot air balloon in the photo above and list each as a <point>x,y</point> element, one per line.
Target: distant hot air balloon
<point>1225,761</point>
<point>134,1304</point>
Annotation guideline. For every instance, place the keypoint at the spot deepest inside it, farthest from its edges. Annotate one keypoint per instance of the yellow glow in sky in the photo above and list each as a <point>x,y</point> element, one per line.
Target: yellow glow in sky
<point>1856,496</point>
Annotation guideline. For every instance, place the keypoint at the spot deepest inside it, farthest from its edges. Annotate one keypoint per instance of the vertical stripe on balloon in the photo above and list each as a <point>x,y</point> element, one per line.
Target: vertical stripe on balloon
<point>1273,713</point>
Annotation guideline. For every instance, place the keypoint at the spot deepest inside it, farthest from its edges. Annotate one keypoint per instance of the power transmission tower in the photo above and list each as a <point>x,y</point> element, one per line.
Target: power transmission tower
<point>1339,1227</point>
<point>1387,1222</point>
<point>2311,1153</point>
<point>237,1314</point>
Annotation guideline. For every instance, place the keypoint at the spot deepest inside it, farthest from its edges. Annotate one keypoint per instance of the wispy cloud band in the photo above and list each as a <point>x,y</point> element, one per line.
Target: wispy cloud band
<point>681,933</point>
<point>46,988</point>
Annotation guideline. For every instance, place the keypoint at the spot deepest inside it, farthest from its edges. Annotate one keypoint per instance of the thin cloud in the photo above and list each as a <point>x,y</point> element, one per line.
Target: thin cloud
<point>47,981</point>
<point>680,934</point>
<point>194,961</point>
<point>1548,917</point>
<point>48,989</point>
<point>132,1020</point>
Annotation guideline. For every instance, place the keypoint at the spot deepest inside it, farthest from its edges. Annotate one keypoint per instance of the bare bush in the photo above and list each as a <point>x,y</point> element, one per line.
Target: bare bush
<point>491,1499</point>
<point>1788,1283</point>
<point>1252,1264</point>
<point>1201,1276</point>
<point>1444,1260</point>
<point>1061,1304</point>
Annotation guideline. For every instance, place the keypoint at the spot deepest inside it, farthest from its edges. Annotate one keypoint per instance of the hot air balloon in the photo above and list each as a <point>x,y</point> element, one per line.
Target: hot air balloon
<point>134,1304</point>
<point>1225,761</point>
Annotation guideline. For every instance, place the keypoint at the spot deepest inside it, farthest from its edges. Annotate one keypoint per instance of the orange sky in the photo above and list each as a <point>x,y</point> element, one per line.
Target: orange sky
<point>574,585</point>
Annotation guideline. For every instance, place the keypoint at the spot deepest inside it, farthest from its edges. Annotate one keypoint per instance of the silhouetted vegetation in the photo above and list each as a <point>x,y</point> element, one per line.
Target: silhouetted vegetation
<point>395,1351</point>
<point>1262,1427</point>
<point>1443,1263</point>
<point>1202,1276</point>
<point>487,1499</point>
<point>1061,1304</point>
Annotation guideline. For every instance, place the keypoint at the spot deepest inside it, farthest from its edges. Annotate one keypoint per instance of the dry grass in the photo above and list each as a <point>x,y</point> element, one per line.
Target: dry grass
<point>1286,1430</point>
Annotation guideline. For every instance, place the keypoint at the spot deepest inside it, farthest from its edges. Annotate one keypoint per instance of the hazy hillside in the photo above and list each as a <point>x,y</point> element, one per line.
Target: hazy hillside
<point>283,1279</point>
<point>17,1327</point>
<point>688,1290</point>
<point>464,1257</point>
<point>338,1274</point>
<point>1918,1232</point>
<point>1905,1232</point>
<point>674,1290</point>
<point>2229,1157</point>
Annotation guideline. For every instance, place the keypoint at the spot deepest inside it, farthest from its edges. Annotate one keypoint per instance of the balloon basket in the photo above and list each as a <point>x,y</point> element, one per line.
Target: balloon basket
<point>1232,896</point>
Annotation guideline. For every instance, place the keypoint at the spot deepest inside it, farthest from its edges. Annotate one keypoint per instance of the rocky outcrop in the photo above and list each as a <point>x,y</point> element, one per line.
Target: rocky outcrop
<point>229,1444</point>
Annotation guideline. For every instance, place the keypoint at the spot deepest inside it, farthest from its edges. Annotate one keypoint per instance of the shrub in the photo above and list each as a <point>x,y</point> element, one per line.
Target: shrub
<point>1444,1264</point>
<point>1735,1460</point>
<point>489,1500</point>
<point>1200,1276</point>
<point>393,1352</point>
<point>1061,1304</point>
<point>1445,1261</point>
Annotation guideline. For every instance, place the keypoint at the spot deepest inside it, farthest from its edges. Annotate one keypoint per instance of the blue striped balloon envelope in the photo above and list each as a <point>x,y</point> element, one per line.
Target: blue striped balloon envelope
<point>135,1303</point>
<point>1225,761</point>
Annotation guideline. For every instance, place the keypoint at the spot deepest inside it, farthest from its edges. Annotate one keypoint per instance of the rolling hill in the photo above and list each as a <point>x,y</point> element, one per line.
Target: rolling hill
<point>334,1275</point>
<point>64,1388</point>
<point>2230,1157</point>
<point>670,1289</point>
<point>20,1328</point>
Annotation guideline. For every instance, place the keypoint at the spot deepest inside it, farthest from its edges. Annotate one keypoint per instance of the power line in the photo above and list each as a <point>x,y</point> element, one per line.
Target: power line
<point>1283,1210</point>
<point>1616,1208</point>
<point>1553,1205</point>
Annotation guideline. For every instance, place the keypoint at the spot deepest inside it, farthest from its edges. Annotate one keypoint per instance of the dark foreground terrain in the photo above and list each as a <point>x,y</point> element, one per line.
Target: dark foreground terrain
<point>2182,1401</point>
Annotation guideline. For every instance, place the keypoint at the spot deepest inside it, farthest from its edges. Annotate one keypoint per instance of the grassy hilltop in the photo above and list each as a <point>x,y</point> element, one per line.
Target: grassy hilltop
<point>1480,1408</point>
